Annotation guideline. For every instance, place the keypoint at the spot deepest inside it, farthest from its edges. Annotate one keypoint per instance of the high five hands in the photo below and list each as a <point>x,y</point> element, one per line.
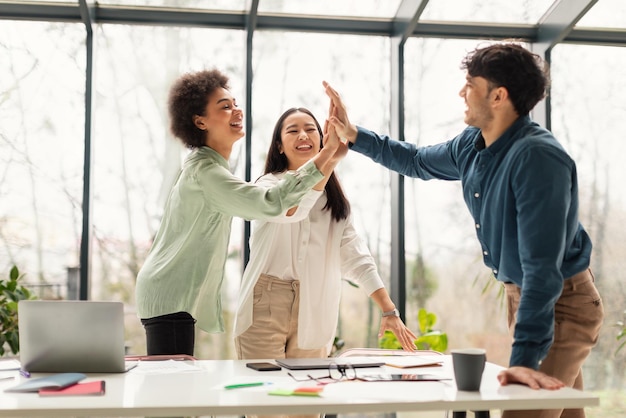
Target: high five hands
<point>338,116</point>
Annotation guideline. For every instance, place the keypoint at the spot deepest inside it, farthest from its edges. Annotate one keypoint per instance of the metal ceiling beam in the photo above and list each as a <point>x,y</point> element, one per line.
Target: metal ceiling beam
<point>553,27</point>
<point>559,20</point>
<point>614,37</point>
<point>64,12</point>
<point>40,11</point>
<point>407,18</point>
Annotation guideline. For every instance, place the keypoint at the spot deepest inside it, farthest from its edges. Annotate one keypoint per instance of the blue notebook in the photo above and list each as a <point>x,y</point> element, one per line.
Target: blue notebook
<point>56,381</point>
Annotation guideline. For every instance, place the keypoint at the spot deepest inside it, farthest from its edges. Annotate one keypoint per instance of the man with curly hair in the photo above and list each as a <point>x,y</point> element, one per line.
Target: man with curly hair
<point>521,188</point>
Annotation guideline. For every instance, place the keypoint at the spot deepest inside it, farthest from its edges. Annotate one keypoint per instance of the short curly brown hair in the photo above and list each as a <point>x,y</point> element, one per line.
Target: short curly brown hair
<point>188,97</point>
<point>525,75</point>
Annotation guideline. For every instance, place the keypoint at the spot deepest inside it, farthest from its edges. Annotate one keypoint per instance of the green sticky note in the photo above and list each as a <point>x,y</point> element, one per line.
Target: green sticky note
<point>280,392</point>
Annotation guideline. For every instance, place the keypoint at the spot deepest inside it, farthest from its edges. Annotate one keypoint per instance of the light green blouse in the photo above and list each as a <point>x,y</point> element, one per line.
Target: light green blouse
<point>185,267</point>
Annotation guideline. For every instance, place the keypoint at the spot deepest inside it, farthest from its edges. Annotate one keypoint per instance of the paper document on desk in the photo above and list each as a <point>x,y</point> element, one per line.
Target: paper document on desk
<point>166,366</point>
<point>10,364</point>
<point>404,362</point>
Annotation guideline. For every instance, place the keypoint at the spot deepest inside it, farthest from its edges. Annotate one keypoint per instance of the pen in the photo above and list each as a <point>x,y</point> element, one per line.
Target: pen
<point>245,385</point>
<point>24,373</point>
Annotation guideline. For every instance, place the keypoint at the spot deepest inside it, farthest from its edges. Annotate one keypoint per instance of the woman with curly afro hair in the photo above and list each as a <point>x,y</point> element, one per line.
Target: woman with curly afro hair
<point>180,282</point>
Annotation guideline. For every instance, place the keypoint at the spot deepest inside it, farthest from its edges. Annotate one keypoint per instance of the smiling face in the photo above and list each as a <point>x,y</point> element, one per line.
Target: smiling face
<point>300,139</point>
<point>222,120</point>
<point>477,95</point>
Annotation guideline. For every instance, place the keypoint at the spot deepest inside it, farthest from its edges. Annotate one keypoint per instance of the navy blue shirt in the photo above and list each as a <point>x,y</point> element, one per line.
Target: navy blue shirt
<point>522,192</point>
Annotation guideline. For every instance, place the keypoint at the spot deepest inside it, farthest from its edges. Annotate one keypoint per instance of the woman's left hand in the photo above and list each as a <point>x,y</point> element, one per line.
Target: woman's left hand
<point>405,336</point>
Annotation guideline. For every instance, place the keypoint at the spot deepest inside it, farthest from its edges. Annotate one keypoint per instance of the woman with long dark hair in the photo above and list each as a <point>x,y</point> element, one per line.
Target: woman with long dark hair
<point>289,300</point>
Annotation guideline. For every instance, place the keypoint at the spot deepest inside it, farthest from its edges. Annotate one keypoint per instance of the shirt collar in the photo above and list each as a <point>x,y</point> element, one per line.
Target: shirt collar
<point>209,153</point>
<point>505,139</point>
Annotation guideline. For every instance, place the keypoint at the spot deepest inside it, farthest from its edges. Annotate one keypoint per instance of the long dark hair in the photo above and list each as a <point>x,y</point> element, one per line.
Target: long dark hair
<point>276,162</point>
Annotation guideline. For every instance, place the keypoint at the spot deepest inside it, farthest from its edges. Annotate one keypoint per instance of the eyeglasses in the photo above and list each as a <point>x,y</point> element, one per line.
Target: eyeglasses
<point>336,373</point>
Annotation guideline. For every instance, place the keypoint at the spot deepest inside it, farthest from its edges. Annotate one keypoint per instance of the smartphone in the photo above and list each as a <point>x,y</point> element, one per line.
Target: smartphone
<point>263,366</point>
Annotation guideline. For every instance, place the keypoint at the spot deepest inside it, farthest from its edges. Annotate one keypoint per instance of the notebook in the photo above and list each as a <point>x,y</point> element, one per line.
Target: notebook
<point>56,381</point>
<point>71,336</point>
<point>323,363</point>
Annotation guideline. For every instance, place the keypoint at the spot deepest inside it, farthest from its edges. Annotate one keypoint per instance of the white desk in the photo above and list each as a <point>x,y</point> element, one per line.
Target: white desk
<point>141,392</point>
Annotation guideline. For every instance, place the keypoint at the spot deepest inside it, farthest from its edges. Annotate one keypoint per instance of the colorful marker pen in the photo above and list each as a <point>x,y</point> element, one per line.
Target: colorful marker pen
<point>245,385</point>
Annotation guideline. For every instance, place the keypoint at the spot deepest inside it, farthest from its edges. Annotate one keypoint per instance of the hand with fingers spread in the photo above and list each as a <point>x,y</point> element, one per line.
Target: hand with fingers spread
<point>529,377</point>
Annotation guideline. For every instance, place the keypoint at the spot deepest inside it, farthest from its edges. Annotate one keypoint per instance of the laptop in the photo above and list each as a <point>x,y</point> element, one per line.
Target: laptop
<point>59,336</point>
<point>323,363</point>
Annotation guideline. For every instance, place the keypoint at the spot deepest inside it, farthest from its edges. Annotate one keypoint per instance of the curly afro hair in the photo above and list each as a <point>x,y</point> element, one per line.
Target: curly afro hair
<point>189,96</point>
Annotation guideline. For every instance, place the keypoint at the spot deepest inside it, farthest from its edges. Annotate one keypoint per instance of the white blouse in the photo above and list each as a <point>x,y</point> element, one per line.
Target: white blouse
<point>309,246</point>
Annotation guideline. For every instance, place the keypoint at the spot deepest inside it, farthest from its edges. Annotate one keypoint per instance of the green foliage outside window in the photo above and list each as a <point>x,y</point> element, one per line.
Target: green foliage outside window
<point>10,294</point>
<point>427,339</point>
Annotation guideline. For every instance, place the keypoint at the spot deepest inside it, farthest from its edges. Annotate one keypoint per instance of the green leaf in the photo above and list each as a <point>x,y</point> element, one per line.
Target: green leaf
<point>426,320</point>
<point>435,340</point>
<point>14,274</point>
<point>389,341</point>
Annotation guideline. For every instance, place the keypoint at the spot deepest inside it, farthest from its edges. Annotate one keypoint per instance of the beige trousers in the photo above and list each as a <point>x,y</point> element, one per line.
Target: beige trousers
<point>578,316</point>
<point>274,330</point>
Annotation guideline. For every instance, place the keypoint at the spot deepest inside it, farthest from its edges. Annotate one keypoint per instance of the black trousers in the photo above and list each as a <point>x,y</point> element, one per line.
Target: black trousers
<point>170,334</point>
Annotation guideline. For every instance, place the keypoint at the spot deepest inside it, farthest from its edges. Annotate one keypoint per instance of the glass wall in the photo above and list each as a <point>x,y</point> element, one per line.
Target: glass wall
<point>588,117</point>
<point>42,118</point>
<point>136,159</point>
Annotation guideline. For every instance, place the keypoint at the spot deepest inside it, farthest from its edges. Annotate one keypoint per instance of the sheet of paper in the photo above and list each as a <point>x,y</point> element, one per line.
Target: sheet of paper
<point>167,366</point>
<point>10,364</point>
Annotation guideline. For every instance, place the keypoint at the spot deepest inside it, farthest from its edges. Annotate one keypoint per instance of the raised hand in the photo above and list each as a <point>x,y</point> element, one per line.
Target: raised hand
<point>330,154</point>
<point>338,115</point>
<point>342,146</point>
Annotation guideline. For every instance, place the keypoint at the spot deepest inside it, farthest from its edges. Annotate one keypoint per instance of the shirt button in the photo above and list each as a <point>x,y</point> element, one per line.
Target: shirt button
<point>486,252</point>
<point>477,226</point>
<point>495,271</point>
<point>476,194</point>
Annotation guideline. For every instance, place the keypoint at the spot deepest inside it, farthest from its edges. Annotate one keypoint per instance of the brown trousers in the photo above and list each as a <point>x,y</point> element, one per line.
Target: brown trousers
<point>274,330</point>
<point>578,316</point>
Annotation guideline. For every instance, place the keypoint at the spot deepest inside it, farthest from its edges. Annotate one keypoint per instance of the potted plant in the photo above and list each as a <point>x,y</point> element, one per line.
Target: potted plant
<point>11,292</point>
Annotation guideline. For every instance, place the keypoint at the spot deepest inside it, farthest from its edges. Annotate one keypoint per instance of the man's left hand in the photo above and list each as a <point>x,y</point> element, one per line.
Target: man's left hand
<point>527,376</point>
